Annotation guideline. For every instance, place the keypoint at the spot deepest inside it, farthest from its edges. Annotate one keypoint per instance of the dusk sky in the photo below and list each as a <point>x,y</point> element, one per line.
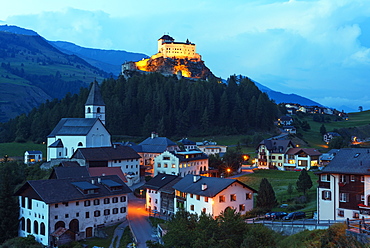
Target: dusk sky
<point>316,49</point>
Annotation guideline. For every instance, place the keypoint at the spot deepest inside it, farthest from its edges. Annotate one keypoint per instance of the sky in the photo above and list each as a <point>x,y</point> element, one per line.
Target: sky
<point>317,49</point>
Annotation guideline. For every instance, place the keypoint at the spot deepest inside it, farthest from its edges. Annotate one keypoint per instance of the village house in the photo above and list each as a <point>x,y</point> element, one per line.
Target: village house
<point>344,190</point>
<point>57,211</point>
<point>285,120</point>
<point>31,157</point>
<point>327,137</point>
<point>160,194</point>
<point>301,158</point>
<point>212,195</point>
<point>271,153</point>
<point>124,157</point>
<point>151,148</point>
<point>211,148</point>
<point>73,133</point>
<point>181,163</point>
<point>188,144</point>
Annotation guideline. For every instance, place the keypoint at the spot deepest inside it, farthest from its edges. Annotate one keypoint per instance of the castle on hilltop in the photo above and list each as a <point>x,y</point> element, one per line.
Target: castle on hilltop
<point>168,48</point>
<point>173,57</point>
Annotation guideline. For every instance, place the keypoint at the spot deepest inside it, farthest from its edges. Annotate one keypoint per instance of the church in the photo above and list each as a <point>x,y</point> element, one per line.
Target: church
<point>73,133</point>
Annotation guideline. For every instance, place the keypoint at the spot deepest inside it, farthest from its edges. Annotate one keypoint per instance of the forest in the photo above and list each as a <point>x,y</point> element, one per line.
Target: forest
<point>151,102</point>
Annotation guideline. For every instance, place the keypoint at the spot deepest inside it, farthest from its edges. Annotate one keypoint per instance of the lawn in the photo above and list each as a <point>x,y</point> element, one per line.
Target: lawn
<point>18,149</point>
<point>102,242</point>
<point>280,181</point>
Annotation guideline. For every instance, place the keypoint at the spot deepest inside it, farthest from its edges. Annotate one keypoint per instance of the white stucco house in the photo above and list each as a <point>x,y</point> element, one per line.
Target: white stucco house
<point>181,163</point>
<point>212,195</point>
<point>73,133</point>
<point>57,211</point>
<point>32,157</point>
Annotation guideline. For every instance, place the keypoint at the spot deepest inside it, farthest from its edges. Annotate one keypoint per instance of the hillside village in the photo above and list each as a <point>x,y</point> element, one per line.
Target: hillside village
<point>93,178</point>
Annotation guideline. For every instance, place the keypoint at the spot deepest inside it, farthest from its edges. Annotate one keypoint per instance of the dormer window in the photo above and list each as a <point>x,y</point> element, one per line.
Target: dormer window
<point>112,185</point>
<point>86,187</point>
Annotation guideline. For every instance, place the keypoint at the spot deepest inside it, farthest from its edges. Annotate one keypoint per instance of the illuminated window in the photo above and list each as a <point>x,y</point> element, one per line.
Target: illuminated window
<point>221,198</point>
<point>241,207</point>
<point>232,197</point>
<point>198,197</point>
<point>192,207</point>
<point>326,195</point>
<point>248,196</point>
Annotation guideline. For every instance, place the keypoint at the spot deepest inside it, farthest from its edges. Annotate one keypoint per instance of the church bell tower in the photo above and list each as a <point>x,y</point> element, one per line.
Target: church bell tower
<point>95,106</point>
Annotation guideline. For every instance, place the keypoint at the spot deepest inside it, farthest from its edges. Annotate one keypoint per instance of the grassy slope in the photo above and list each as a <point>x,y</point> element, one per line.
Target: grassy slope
<point>280,181</point>
<point>18,149</point>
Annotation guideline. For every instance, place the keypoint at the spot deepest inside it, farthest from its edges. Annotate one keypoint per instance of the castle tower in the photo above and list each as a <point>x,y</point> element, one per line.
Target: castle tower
<point>95,106</point>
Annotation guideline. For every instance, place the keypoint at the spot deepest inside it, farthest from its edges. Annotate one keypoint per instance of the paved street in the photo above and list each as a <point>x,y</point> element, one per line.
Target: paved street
<point>138,219</point>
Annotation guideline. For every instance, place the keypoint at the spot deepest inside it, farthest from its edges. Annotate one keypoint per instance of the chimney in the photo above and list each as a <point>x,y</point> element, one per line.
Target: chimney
<point>195,178</point>
<point>114,146</point>
<point>153,135</point>
<point>204,186</point>
<point>99,180</point>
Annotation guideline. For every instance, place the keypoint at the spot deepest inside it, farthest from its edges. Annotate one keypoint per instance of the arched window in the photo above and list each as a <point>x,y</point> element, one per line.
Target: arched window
<point>28,226</point>
<point>23,224</point>
<point>35,227</point>
<point>88,110</point>
<point>42,228</point>
<point>80,144</point>
<point>98,110</point>
<point>59,224</point>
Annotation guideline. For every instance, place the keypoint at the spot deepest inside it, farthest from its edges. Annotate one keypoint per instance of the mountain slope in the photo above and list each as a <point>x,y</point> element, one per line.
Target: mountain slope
<point>33,71</point>
<point>107,60</point>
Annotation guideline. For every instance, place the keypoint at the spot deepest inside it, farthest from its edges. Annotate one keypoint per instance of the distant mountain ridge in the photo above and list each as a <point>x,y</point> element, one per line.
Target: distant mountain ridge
<point>50,69</point>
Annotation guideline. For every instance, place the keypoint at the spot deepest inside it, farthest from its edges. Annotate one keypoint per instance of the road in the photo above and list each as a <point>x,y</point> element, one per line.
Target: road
<point>138,219</point>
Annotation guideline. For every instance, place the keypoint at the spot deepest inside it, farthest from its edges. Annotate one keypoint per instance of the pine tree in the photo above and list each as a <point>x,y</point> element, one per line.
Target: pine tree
<point>304,182</point>
<point>323,129</point>
<point>266,195</point>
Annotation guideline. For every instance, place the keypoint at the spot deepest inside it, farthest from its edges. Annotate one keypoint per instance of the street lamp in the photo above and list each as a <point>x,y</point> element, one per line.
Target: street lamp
<point>228,172</point>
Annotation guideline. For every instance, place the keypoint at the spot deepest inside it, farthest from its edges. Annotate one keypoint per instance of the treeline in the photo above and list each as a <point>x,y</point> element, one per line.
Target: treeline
<point>153,102</point>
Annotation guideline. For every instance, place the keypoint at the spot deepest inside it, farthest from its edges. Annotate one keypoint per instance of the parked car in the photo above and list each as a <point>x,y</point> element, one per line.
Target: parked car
<point>269,215</point>
<point>295,215</point>
<point>278,215</point>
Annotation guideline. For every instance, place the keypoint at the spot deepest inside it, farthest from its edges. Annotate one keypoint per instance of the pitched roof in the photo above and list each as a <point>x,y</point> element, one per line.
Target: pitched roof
<point>186,142</point>
<point>309,151</point>
<point>159,181</point>
<point>276,146</point>
<point>350,161</point>
<point>57,143</point>
<point>69,172</point>
<point>107,171</point>
<point>73,126</point>
<point>69,164</point>
<point>95,97</point>
<point>214,185</point>
<point>34,152</point>
<point>166,37</point>
<point>196,155</point>
<point>64,190</point>
<point>106,153</point>
<point>154,145</point>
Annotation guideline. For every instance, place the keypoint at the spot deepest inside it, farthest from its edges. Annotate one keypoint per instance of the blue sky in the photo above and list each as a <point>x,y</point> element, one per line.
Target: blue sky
<point>317,49</point>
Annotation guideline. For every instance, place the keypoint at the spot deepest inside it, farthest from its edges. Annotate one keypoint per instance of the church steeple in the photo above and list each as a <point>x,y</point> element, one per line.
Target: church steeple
<point>95,106</point>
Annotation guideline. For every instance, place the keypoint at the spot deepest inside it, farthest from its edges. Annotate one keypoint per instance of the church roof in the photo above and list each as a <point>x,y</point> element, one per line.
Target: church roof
<point>95,97</point>
<point>57,143</point>
<point>73,126</point>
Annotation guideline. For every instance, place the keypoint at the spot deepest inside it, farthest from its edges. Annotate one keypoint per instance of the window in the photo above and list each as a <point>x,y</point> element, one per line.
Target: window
<point>106,211</point>
<point>241,207</point>
<point>343,197</point>
<point>165,166</point>
<point>114,199</point>
<point>87,203</point>
<point>123,198</point>
<point>96,213</point>
<point>173,166</point>
<point>198,197</point>
<point>342,179</point>
<point>221,198</point>
<point>106,200</point>
<point>232,197</point>
<point>156,201</point>
<point>204,210</point>
<point>77,214</point>
<point>356,215</point>
<point>325,177</point>
<point>362,179</point>
<point>115,211</point>
<point>340,213</point>
<point>42,229</point>
<point>192,207</point>
<point>56,217</point>
<point>326,195</point>
<point>248,196</point>
<point>280,157</point>
<point>273,157</point>
<point>87,215</point>
<point>150,199</point>
<point>77,203</point>
<point>352,178</point>
<point>191,195</point>
<point>56,205</point>
<point>206,199</point>
<point>96,202</point>
<point>123,209</point>
<point>36,227</point>
<point>159,165</point>
<point>67,215</point>
<point>362,198</point>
